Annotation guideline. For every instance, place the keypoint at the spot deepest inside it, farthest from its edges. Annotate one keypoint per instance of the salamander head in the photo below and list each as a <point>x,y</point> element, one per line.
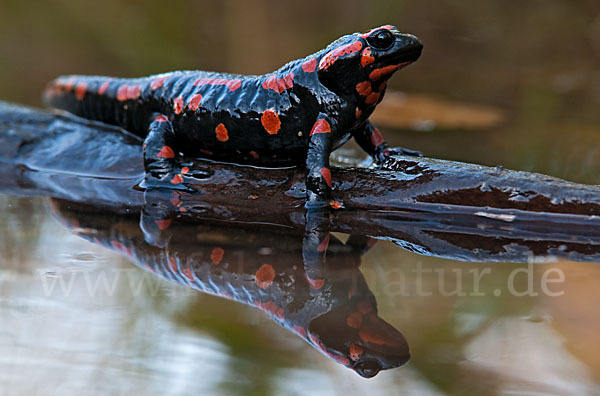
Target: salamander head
<point>361,63</point>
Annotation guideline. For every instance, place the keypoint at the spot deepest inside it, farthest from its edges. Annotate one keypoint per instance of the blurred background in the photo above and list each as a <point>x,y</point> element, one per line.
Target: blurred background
<point>515,84</point>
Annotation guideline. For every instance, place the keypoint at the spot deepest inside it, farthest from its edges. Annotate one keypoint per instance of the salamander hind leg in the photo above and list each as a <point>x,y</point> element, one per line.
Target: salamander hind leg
<point>160,155</point>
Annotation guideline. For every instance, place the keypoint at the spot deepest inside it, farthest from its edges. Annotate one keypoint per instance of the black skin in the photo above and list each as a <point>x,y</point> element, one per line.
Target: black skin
<point>323,87</point>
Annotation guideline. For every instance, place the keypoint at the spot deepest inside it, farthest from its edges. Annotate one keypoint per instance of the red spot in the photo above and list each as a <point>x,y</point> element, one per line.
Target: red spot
<point>310,65</point>
<point>270,307</point>
<point>217,255</point>
<point>68,85</point>
<point>178,105</point>
<point>335,204</point>
<point>354,320</point>
<point>376,137</point>
<point>254,154</point>
<point>187,272</point>
<point>104,87</point>
<point>177,179</point>
<point>126,92</point>
<point>364,306</point>
<point>372,98</point>
<point>301,331</point>
<point>321,126</point>
<point>355,352</point>
<point>383,71</point>
<point>279,84</point>
<point>316,284</point>
<point>227,295</point>
<point>264,276</point>
<point>333,55</point>
<point>163,224</point>
<point>231,84</point>
<point>161,118</point>
<point>326,173</point>
<point>368,336</point>
<point>363,88</point>
<point>358,113</point>
<point>185,170</point>
<point>270,121</point>
<point>120,247</point>
<point>367,34</point>
<point>166,152</point>
<point>80,90</point>
<point>366,58</point>
<point>158,82</point>
<point>173,264</point>
<point>194,102</point>
<point>182,209</point>
<point>221,132</point>
<point>324,243</point>
<point>134,92</point>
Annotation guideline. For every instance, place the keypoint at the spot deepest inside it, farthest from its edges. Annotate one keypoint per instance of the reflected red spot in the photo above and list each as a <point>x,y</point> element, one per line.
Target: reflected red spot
<point>383,86</point>
<point>376,137</point>
<point>310,65</point>
<point>177,179</point>
<point>333,55</point>
<point>270,307</point>
<point>372,98</point>
<point>363,88</point>
<point>194,102</point>
<point>321,126</point>
<point>118,246</point>
<point>354,320</point>
<point>324,243</point>
<point>270,121</point>
<point>217,255</point>
<point>326,173</point>
<point>221,132</point>
<point>227,295</point>
<point>182,209</point>
<point>158,82</point>
<point>103,87</point>
<point>187,272</point>
<point>231,84</point>
<point>335,204</point>
<point>358,113</point>
<point>279,84</point>
<point>301,331</point>
<point>355,352</point>
<point>163,224</point>
<point>364,306</point>
<point>178,105</point>
<point>166,152</point>
<point>206,152</point>
<point>264,276</point>
<point>254,154</point>
<point>384,71</point>
<point>315,284</point>
<point>185,170</point>
<point>173,264</point>
<point>372,242</point>
<point>80,90</point>
<point>161,118</point>
<point>366,58</point>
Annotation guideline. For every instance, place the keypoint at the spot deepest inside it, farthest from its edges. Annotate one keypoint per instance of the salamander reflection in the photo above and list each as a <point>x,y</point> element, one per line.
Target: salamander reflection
<point>333,309</point>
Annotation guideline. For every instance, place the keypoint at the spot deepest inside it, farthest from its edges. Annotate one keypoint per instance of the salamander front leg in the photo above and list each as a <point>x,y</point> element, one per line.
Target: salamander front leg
<point>159,153</point>
<point>370,139</point>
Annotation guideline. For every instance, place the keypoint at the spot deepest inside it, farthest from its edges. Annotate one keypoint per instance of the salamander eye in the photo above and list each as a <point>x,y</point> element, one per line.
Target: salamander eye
<point>382,39</point>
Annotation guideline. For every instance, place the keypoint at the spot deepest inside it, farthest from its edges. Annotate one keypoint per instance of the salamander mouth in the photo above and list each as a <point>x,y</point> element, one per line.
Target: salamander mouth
<point>411,55</point>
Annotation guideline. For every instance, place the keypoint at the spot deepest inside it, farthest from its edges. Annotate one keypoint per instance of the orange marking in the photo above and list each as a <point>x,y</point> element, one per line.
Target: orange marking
<point>323,245</point>
<point>158,82</point>
<point>372,98</point>
<point>355,352</point>
<point>270,121</point>
<point>264,276</point>
<point>177,179</point>
<point>254,154</point>
<point>166,152</point>
<point>366,58</point>
<point>383,71</point>
<point>335,204</point>
<point>330,58</point>
<point>376,137</point>
<point>373,338</point>
<point>126,92</point>
<point>104,87</point>
<point>194,102</point>
<point>217,255</point>
<point>315,283</point>
<point>80,90</point>
<point>364,88</point>
<point>163,224</point>
<point>326,173</point>
<point>310,65</point>
<point>383,86</point>
<point>279,84</point>
<point>161,118</point>
<point>231,84</point>
<point>134,91</point>
<point>178,105</point>
<point>68,85</point>
<point>364,306</point>
<point>176,200</point>
<point>185,170</point>
<point>321,126</point>
<point>358,113</point>
<point>221,132</point>
<point>354,320</point>
<point>367,34</point>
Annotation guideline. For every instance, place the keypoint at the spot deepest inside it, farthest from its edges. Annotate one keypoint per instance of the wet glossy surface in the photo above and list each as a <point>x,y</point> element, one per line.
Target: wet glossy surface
<point>536,61</point>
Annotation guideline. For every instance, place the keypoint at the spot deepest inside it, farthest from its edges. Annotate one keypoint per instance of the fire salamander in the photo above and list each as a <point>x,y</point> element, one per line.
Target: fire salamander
<point>293,116</point>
